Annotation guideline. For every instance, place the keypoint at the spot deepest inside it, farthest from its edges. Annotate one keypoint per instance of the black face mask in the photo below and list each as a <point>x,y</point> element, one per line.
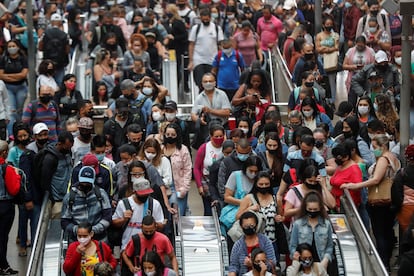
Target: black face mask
<point>123,115</point>
<point>111,47</point>
<point>85,188</point>
<point>267,190</point>
<point>136,144</point>
<point>50,71</point>
<point>42,141</point>
<point>309,56</point>
<point>90,114</point>
<point>181,6</point>
<point>272,152</point>
<point>249,231</point>
<point>65,151</point>
<point>339,162</point>
<point>374,13</point>
<point>318,144</point>
<point>170,140</point>
<point>313,214</point>
<point>45,99</point>
<point>142,199</point>
<point>85,136</point>
<point>309,84</point>
<point>148,236</point>
<point>329,28</point>
<point>25,142</point>
<point>381,67</point>
<point>206,23</point>
<point>347,134</point>
<point>312,186</point>
<point>257,267</point>
<point>131,96</point>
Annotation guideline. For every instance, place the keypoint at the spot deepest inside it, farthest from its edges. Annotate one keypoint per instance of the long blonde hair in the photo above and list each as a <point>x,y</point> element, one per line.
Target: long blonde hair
<point>172,8</point>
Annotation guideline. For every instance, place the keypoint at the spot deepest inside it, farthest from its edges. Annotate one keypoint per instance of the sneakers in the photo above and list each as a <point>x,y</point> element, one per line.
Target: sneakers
<point>8,271</point>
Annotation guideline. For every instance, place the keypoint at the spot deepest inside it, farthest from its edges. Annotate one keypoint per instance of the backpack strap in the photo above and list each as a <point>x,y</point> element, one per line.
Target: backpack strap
<point>102,251</point>
<point>72,196</point>
<point>98,195</point>
<point>298,194</point>
<point>136,240</point>
<point>293,176</point>
<point>126,203</point>
<point>148,207</point>
<point>198,30</point>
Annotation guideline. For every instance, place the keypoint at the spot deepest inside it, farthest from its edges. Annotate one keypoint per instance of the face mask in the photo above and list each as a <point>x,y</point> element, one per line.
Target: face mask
<point>148,236</point>
<point>78,21</point>
<point>156,116</point>
<point>142,199</point>
<point>397,60</point>
<point>123,115</point>
<point>375,107</point>
<point>381,67</point>
<point>272,152</point>
<point>25,142</point>
<point>70,85</point>
<point>150,273</point>
<point>308,114</point>
<point>66,151</point>
<point>94,10</point>
<point>170,140</point>
<point>23,11</point>
<point>372,29</point>
<point>242,157</point>
<point>249,231</point>
<point>205,23</point>
<point>309,84</point>
<point>137,145</point>
<point>309,56</point>
<point>181,6</point>
<point>208,86</point>
<point>75,133</point>
<point>306,263</point>
<point>339,162</point>
<point>228,51</point>
<point>312,186</point>
<point>348,5</point>
<point>218,141</point>
<point>245,130</point>
<point>347,134</point>
<point>100,156</point>
<point>371,136</point>
<point>231,16</point>
<point>267,190</point>
<point>250,175</point>
<point>130,96</point>
<point>42,141</point>
<point>45,99</point>
<point>150,155</point>
<point>374,13</point>
<point>147,91</point>
<point>363,109</point>
<point>313,214</point>
<point>319,144</point>
<point>85,188</point>
<point>50,72</point>
<point>377,152</point>
<point>257,267</point>
<point>85,136</point>
<point>170,116</point>
<point>84,241</point>
<point>13,50</point>
<point>169,15</point>
<point>329,28</point>
<point>214,15</point>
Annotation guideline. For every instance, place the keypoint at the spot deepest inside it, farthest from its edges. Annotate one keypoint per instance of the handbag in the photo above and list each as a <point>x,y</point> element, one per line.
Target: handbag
<point>380,194</point>
<point>330,61</point>
<point>236,231</point>
<point>228,213</point>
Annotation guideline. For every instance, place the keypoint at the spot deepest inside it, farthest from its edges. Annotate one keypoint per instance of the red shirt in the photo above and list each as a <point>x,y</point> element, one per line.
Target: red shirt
<point>351,174</point>
<point>159,240</point>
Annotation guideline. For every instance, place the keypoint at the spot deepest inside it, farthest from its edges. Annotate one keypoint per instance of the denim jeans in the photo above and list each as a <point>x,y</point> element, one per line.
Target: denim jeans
<point>58,76</point>
<point>182,204</point>
<point>17,96</point>
<point>6,218</point>
<point>24,216</point>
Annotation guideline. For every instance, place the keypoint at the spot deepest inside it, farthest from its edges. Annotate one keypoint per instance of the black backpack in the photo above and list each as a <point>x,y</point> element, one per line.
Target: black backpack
<point>137,114</point>
<point>55,42</point>
<point>134,258</point>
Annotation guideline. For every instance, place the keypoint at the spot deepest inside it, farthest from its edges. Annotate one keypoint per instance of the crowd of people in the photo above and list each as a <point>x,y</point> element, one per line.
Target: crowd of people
<point>273,182</point>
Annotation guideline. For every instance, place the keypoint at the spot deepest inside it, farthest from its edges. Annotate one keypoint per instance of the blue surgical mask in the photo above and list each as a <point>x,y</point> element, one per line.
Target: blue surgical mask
<point>377,152</point>
<point>242,157</point>
<point>100,157</point>
<point>348,5</point>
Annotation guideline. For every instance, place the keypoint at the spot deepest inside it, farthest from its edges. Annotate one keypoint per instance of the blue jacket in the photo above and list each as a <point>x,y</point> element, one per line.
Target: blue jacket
<point>302,233</point>
<point>239,253</point>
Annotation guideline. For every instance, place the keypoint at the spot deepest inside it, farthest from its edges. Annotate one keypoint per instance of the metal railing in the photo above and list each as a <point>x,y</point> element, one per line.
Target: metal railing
<point>36,256</point>
<point>282,77</point>
<point>370,259</point>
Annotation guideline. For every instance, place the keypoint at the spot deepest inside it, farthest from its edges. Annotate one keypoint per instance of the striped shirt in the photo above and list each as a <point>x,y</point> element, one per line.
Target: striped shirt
<point>49,116</point>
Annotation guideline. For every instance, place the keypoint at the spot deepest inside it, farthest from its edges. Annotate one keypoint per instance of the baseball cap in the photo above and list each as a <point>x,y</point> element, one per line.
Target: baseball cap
<point>85,122</point>
<point>170,105</point>
<point>122,104</point>
<point>142,187</point>
<point>87,175</point>
<point>39,127</point>
<point>374,74</point>
<point>127,84</point>
<point>90,160</point>
<point>289,4</point>
<point>344,108</point>
<point>381,56</point>
<point>56,17</point>
<point>150,34</point>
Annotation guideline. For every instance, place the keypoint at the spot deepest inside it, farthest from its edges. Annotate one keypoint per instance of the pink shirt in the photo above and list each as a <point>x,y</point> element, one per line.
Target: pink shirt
<point>268,31</point>
<point>247,46</point>
<point>181,169</point>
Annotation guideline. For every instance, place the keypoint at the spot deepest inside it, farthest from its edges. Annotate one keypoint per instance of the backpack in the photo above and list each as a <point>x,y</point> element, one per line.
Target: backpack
<point>134,258</point>
<point>24,37</point>
<point>364,21</point>
<point>296,92</point>
<point>137,114</point>
<point>397,190</point>
<point>98,194</point>
<point>395,25</point>
<point>220,53</point>
<point>20,197</point>
<point>54,47</point>
<point>38,166</point>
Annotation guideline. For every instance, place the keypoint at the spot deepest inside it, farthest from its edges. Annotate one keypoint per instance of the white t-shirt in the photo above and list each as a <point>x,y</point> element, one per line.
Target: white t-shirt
<point>205,48</point>
<point>134,225</point>
<point>250,273</point>
<point>79,150</point>
<point>212,155</point>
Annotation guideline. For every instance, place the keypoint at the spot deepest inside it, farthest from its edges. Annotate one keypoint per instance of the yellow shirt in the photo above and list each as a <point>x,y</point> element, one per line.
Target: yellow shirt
<point>88,263</point>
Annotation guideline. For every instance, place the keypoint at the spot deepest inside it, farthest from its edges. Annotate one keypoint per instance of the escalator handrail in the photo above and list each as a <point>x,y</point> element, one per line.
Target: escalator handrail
<point>38,245</point>
<point>272,77</point>
<point>74,60</point>
<point>367,237</point>
<point>218,235</point>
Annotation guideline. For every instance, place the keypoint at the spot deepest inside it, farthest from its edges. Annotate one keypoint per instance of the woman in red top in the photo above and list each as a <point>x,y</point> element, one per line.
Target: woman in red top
<point>83,254</point>
<point>347,172</point>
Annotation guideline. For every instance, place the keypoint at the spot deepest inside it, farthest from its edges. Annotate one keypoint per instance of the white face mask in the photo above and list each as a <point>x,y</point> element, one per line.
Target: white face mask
<point>228,51</point>
<point>208,86</point>
<point>245,130</point>
<point>94,10</point>
<point>363,109</point>
<point>308,114</point>
<point>371,136</point>
<point>372,29</point>
<point>84,241</point>
<point>170,116</point>
<point>150,273</point>
<point>250,175</point>
<point>157,116</point>
<point>398,60</point>
<point>149,155</point>
<point>147,91</point>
